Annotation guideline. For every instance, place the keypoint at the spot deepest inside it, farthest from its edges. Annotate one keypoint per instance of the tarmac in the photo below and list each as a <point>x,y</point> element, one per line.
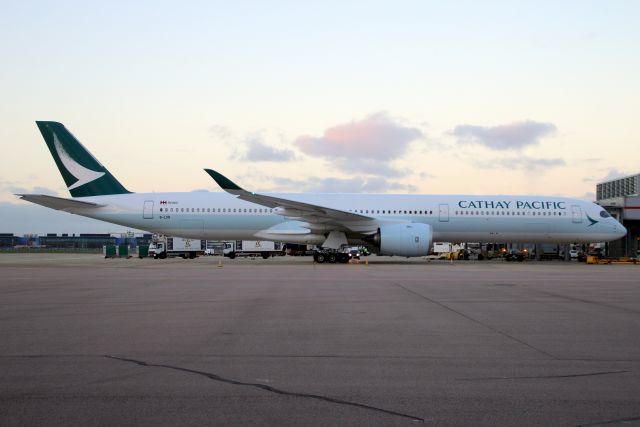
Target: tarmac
<point>91,341</point>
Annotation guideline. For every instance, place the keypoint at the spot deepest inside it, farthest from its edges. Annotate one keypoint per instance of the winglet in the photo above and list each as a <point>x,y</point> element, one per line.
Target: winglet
<point>225,183</point>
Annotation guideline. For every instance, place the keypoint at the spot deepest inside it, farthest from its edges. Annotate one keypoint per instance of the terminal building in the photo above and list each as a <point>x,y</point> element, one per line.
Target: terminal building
<point>621,198</point>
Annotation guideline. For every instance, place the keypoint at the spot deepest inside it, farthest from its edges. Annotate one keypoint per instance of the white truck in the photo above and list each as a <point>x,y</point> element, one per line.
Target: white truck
<point>252,248</point>
<point>441,247</point>
<point>166,246</point>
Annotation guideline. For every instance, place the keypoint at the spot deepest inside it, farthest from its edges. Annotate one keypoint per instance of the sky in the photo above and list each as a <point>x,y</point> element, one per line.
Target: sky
<point>432,97</point>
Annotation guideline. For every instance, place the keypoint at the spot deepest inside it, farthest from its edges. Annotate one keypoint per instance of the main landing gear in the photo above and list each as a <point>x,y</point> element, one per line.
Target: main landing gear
<point>331,256</point>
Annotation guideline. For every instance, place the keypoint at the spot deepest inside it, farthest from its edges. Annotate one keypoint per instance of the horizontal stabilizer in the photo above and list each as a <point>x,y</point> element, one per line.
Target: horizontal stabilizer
<point>59,203</point>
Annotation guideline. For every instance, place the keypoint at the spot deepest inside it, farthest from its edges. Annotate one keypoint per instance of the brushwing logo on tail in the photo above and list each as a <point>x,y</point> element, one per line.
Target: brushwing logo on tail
<point>82,174</point>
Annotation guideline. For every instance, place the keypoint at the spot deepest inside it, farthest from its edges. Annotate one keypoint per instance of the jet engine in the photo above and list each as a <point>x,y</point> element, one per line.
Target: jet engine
<point>409,240</point>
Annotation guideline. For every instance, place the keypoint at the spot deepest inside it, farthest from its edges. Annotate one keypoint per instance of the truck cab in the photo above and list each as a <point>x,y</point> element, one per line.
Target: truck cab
<point>158,250</point>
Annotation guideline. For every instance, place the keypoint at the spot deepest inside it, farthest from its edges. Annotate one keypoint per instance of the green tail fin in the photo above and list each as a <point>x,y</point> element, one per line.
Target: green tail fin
<point>83,173</point>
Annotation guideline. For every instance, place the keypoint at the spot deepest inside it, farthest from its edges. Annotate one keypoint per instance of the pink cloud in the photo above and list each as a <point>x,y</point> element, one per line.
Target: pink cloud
<point>376,137</point>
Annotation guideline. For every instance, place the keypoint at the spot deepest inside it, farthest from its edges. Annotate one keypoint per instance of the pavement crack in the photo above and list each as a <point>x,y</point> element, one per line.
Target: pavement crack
<point>265,387</point>
<point>459,313</point>
<point>616,421</point>
<point>536,377</point>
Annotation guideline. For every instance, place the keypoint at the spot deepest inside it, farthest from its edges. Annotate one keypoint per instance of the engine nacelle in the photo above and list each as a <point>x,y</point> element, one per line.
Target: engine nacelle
<point>408,240</point>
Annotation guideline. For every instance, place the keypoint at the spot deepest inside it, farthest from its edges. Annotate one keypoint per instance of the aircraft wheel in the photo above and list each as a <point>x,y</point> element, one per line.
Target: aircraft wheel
<point>343,258</point>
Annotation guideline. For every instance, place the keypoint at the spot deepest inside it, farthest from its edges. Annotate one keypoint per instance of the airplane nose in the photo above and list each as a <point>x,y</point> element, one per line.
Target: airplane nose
<point>621,231</point>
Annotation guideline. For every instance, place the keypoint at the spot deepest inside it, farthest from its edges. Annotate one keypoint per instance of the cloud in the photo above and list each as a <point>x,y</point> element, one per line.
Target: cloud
<point>376,137</point>
<point>220,132</point>
<point>342,185</point>
<point>521,162</point>
<point>257,151</point>
<point>613,174</point>
<point>513,136</point>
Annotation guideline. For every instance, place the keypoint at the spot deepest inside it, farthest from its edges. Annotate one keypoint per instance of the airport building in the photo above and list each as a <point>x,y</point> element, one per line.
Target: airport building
<point>88,242</point>
<point>621,198</point>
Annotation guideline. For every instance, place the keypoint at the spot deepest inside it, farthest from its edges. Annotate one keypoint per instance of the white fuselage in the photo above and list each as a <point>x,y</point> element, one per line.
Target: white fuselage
<point>455,218</point>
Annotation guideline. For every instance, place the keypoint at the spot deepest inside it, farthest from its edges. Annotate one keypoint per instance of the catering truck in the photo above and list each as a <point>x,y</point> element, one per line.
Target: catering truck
<point>252,248</point>
<point>165,246</point>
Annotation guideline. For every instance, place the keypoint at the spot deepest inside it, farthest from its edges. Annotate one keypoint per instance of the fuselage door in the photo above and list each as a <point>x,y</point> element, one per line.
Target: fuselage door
<point>576,214</point>
<point>147,209</point>
<point>443,212</point>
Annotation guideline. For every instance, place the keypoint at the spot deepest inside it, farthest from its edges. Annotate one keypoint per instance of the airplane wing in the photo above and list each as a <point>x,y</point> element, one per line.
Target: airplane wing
<point>290,208</point>
<point>59,203</point>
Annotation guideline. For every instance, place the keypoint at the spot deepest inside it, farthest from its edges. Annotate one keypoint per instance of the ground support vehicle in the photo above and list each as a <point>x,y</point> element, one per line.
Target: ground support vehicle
<point>252,248</point>
<point>167,247</point>
<point>299,249</point>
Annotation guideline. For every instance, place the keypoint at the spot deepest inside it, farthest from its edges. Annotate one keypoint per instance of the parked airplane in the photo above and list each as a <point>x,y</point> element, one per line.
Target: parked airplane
<point>397,224</point>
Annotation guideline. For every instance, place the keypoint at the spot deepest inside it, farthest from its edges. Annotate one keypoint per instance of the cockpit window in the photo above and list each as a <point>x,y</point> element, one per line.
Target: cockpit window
<point>604,214</point>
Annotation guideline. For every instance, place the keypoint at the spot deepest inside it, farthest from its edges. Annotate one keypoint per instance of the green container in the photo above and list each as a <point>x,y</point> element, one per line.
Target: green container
<point>123,251</point>
<point>110,251</point>
<point>143,251</point>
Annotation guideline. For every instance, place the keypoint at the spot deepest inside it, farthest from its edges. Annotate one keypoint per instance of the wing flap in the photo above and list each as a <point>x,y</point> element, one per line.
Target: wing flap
<point>59,203</point>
